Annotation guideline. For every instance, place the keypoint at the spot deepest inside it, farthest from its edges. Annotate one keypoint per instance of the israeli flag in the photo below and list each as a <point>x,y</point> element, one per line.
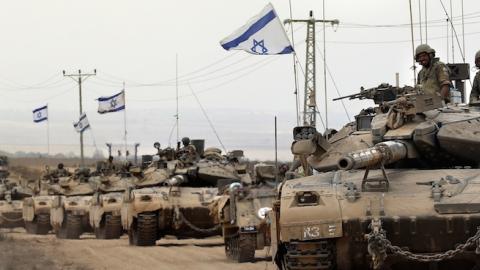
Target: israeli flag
<point>114,103</point>
<point>40,114</point>
<point>82,123</point>
<point>263,34</point>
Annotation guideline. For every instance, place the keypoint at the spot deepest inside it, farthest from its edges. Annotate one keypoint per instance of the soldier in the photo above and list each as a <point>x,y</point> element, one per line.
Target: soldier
<point>61,171</point>
<point>188,153</point>
<point>475,93</point>
<point>109,166</point>
<point>434,76</point>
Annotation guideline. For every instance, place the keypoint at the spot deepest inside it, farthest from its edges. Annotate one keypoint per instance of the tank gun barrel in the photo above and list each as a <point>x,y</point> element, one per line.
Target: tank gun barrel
<point>385,152</point>
<point>383,92</point>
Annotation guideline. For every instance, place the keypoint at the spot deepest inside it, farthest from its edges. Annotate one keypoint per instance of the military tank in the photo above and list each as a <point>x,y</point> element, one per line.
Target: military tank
<point>36,209</point>
<point>396,189</point>
<point>11,195</point>
<point>241,211</point>
<point>106,205</point>
<point>69,213</point>
<point>176,204</point>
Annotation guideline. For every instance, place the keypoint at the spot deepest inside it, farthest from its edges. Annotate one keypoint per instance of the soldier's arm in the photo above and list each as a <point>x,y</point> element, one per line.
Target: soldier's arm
<point>475,93</point>
<point>444,79</point>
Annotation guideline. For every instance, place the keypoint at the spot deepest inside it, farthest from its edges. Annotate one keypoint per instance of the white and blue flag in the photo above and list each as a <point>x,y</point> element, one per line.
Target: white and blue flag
<point>82,123</point>
<point>40,114</point>
<point>114,103</point>
<point>263,34</point>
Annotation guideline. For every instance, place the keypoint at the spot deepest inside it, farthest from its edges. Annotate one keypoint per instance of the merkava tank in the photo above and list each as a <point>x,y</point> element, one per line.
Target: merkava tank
<point>69,213</point>
<point>177,204</point>
<point>36,209</point>
<point>241,211</point>
<point>396,189</point>
<point>11,195</point>
<point>106,205</point>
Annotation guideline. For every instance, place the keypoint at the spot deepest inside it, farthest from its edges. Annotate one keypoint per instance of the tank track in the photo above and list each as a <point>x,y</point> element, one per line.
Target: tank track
<point>241,247</point>
<point>71,228</point>
<point>110,228</point>
<point>310,255</point>
<point>144,232</point>
<point>40,225</point>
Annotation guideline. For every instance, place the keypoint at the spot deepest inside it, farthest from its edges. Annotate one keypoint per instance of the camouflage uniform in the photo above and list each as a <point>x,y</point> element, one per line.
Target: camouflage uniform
<point>188,154</point>
<point>61,173</point>
<point>475,93</point>
<point>434,77</point>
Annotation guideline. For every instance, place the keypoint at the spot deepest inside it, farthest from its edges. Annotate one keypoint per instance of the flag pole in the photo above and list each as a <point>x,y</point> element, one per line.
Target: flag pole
<point>125,120</point>
<point>48,132</point>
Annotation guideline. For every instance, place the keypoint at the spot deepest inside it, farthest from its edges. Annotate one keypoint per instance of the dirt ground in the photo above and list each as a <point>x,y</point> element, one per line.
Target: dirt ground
<point>24,251</point>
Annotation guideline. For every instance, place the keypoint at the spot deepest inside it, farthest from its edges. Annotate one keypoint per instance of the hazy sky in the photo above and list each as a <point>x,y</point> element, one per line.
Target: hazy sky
<point>137,41</point>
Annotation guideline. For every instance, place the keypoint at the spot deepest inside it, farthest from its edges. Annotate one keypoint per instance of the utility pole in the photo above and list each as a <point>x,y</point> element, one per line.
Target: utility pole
<point>309,101</point>
<point>79,78</point>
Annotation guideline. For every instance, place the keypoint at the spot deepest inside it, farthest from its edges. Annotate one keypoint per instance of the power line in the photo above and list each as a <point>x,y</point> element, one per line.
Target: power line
<point>336,88</point>
<point>207,118</point>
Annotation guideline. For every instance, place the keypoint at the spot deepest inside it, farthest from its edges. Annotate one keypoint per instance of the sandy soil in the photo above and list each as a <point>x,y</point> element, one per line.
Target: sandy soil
<point>23,251</point>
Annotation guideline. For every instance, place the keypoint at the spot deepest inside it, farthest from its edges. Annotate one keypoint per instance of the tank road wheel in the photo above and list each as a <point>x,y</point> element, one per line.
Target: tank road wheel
<point>110,227</point>
<point>144,230</point>
<point>246,245</point>
<point>40,225</point>
<point>310,255</point>
<point>71,227</point>
<point>230,247</point>
<point>241,248</point>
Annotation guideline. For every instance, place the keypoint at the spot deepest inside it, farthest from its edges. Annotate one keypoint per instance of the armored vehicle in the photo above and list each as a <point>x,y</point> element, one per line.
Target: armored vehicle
<point>106,205</point>
<point>11,195</point>
<point>36,209</point>
<point>396,189</point>
<point>242,213</point>
<point>69,214</point>
<point>178,203</point>
<point>11,203</point>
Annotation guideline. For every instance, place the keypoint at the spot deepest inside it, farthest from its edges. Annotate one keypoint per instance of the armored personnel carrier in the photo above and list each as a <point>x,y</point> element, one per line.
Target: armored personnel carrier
<point>69,213</point>
<point>106,205</point>
<point>396,189</point>
<point>178,203</point>
<point>241,211</point>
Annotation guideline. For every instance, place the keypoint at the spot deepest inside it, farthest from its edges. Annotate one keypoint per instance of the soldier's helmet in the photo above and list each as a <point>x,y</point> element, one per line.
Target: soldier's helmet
<point>60,166</point>
<point>186,141</point>
<point>423,48</point>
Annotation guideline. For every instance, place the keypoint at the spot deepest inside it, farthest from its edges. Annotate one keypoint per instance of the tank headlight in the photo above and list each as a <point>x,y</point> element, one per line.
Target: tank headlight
<point>72,203</point>
<point>112,200</point>
<point>42,203</point>
<point>307,198</point>
<point>145,198</point>
<point>262,212</point>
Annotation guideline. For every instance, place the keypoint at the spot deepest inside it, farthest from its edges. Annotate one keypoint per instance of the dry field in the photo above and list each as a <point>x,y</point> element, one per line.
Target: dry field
<point>24,251</point>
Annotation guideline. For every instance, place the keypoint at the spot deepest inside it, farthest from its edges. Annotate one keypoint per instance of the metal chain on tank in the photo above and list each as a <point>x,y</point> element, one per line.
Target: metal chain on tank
<point>195,228</point>
<point>11,219</point>
<point>378,244</point>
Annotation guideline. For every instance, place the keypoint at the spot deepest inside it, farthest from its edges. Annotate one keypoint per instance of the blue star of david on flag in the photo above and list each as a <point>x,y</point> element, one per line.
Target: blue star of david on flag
<point>82,123</point>
<point>113,103</point>
<point>260,44</point>
<point>261,35</point>
<point>40,114</point>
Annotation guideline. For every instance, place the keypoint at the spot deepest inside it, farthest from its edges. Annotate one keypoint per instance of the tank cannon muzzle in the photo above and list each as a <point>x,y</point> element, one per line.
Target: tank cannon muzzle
<point>381,153</point>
